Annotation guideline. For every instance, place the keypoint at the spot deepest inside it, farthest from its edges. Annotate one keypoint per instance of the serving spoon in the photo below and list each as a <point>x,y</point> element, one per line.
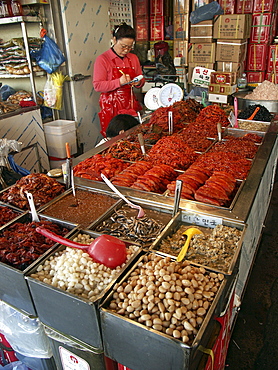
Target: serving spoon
<point>105,249</point>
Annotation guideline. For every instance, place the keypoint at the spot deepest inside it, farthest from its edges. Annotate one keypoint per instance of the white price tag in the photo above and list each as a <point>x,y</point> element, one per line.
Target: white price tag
<point>71,361</point>
<point>201,220</point>
<point>232,119</point>
<point>201,76</point>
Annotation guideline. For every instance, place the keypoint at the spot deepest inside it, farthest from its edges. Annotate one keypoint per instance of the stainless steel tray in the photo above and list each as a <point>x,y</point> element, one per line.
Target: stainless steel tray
<point>204,224</point>
<point>155,212</point>
<point>66,312</point>
<point>13,286</point>
<point>44,210</point>
<point>138,347</point>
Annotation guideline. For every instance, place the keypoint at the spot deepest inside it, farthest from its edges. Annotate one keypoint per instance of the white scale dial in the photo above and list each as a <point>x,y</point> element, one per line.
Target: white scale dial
<point>169,94</point>
<point>151,100</point>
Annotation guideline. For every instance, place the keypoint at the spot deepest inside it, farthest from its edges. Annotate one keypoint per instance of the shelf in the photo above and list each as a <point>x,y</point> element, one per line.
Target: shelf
<point>36,74</point>
<point>26,18</point>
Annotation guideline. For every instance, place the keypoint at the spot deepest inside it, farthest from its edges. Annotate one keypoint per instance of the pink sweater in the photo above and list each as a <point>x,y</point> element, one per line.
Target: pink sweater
<point>102,77</point>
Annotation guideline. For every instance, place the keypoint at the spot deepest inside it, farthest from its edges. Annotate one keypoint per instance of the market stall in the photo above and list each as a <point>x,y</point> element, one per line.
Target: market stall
<point>87,314</point>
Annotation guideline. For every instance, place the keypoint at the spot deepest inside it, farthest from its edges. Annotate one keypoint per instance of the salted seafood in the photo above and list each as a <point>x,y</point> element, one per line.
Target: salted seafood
<point>214,248</point>
<point>140,230</point>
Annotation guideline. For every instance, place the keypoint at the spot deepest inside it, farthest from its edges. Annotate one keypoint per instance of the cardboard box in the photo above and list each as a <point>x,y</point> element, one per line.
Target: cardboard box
<point>273,51</point>
<point>232,26</point>
<point>181,26</point>
<point>181,6</point>
<point>257,57</point>
<point>229,6</point>
<point>255,76</point>
<point>261,6</point>
<point>142,28</point>
<point>181,50</point>
<point>223,78</point>
<point>142,8</point>
<point>198,3</point>
<point>219,98</point>
<point>244,6</point>
<point>201,32</point>
<point>157,8</point>
<point>238,68</point>
<point>201,53</point>
<point>261,29</point>
<point>156,28</point>
<point>231,50</point>
<point>181,72</point>
<point>222,89</point>
<point>191,67</point>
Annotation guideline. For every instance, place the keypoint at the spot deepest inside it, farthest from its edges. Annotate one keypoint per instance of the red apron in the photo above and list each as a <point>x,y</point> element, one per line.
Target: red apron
<point>112,102</point>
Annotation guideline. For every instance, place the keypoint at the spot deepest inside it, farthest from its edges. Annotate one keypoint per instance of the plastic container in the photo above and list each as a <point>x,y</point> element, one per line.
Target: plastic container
<point>56,162</point>
<point>69,352</point>
<point>57,134</point>
<point>242,81</point>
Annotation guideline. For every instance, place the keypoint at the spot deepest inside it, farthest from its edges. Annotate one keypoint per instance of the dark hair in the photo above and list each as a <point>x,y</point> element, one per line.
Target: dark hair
<point>119,123</point>
<point>124,31</point>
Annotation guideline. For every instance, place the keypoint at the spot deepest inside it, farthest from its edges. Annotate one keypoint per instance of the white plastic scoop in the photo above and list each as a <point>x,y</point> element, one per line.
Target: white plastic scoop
<point>35,217</point>
<point>141,212</point>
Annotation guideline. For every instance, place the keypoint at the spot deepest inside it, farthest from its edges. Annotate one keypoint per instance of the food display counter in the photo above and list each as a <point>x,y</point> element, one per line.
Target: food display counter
<point>87,312</point>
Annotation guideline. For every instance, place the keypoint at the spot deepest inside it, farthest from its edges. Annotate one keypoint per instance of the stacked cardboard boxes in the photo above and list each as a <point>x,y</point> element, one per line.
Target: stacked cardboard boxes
<point>263,29</point>
<point>181,32</point>
<point>231,32</point>
<point>202,48</point>
<point>181,37</point>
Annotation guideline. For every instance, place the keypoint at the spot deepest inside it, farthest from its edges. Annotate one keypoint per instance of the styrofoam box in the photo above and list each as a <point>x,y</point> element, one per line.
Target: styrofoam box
<point>57,134</point>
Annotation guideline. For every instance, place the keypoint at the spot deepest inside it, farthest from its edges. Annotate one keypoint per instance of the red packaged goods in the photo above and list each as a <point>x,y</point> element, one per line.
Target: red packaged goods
<point>272,58</point>
<point>157,8</point>
<point>142,28</point>
<point>255,76</point>
<point>218,77</point>
<point>229,6</point>
<point>244,6</point>
<point>142,8</point>
<point>261,29</point>
<point>256,57</point>
<point>261,6</point>
<point>157,28</point>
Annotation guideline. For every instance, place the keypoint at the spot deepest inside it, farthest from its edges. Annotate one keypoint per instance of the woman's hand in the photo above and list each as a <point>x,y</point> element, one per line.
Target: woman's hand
<point>124,79</point>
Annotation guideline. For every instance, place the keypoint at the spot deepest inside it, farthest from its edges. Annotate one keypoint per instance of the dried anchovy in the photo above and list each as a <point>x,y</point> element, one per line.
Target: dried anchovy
<point>215,248</point>
<point>140,230</point>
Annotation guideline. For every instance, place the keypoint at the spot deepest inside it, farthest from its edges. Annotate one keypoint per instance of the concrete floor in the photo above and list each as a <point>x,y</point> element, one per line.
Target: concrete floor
<point>254,342</point>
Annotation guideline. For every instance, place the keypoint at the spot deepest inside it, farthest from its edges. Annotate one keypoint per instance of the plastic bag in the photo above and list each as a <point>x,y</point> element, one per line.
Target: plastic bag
<point>206,12</point>
<point>25,334</point>
<point>6,91</point>
<point>49,93</point>
<point>49,57</point>
<point>17,365</point>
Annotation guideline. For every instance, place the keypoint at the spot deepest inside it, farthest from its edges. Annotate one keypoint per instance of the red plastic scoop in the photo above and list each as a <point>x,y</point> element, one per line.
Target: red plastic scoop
<point>105,249</point>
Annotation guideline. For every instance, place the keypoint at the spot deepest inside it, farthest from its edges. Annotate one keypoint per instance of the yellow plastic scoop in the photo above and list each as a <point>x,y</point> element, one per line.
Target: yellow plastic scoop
<point>189,233</point>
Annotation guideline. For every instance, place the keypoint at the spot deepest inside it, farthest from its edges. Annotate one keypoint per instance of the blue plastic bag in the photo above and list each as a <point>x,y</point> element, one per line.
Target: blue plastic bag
<point>206,12</point>
<point>6,91</point>
<point>49,57</point>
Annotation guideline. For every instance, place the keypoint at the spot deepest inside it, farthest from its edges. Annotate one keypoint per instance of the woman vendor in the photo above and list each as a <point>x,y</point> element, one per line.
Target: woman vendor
<point>113,70</point>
